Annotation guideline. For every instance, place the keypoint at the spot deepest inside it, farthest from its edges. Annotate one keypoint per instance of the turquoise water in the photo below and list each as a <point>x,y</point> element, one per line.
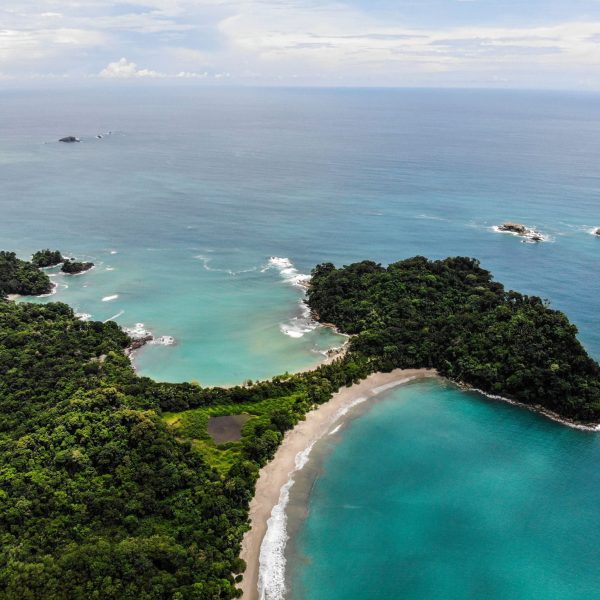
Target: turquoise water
<point>181,208</point>
<point>436,493</point>
<point>238,176</point>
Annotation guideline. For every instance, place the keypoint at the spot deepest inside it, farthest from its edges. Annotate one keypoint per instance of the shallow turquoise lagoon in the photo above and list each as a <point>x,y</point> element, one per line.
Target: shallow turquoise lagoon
<point>436,493</point>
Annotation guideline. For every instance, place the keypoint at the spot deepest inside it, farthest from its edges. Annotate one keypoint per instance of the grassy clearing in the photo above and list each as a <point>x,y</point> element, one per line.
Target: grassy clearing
<point>192,425</point>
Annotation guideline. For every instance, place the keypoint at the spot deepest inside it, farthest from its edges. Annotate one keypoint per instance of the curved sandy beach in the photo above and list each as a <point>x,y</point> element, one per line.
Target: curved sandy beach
<point>276,474</point>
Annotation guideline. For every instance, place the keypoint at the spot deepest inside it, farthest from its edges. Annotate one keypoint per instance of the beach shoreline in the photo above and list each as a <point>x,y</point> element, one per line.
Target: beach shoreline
<point>278,473</point>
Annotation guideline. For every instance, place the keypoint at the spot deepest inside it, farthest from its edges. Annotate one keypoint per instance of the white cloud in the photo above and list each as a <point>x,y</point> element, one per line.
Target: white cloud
<point>191,75</point>
<point>123,69</point>
<point>300,41</point>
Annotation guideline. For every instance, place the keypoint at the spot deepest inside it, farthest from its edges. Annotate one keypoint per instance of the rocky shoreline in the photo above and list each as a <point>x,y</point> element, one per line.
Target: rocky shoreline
<point>140,337</point>
<point>535,408</point>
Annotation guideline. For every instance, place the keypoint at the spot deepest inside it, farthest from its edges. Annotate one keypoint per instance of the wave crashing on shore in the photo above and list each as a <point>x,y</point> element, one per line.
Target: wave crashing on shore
<point>271,578</point>
<point>530,236</point>
<point>139,332</point>
<point>288,271</point>
<point>303,323</point>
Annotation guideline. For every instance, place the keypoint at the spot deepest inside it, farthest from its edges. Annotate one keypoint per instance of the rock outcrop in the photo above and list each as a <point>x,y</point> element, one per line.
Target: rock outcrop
<point>530,235</point>
<point>513,227</point>
<point>73,267</point>
<point>70,139</point>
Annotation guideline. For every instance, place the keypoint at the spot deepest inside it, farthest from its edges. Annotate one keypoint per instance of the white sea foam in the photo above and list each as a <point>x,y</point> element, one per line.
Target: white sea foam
<point>83,316</point>
<point>271,576</point>
<point>335,429</point>
<point>527,237</point>
<point>137,331</point>
<point>110,298</point>
<point>206,260</point>
<point>109,269</point>
<point>393,384</point>
<point>592,231</point>
<point>431,217</point>
<point>301,324</point>
<point>345,409</point>
<point>113,252</point>
<point>539,410</point>
<point>121,312</point>
<point>164,340</point>
<point>288,272</point>
<point>51,292</point>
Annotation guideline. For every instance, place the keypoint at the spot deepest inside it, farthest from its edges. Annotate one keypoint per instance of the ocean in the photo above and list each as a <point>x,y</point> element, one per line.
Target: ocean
<point>203,207</point>
<point>438,493</point>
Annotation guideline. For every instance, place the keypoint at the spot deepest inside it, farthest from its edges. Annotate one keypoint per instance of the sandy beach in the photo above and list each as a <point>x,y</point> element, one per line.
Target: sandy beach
<point>276,474</point>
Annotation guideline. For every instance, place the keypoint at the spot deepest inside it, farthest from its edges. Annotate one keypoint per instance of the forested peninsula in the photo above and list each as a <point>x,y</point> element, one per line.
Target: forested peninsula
<point>111,486</point>
<point>452,316</point>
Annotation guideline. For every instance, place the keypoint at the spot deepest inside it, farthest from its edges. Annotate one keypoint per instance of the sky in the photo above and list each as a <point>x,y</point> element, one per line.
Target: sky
<point>545,44</point>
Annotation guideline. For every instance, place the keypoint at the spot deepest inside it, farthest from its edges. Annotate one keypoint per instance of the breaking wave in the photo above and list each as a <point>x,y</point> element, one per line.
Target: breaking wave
<point>206,260</point>
<point>271,577</point>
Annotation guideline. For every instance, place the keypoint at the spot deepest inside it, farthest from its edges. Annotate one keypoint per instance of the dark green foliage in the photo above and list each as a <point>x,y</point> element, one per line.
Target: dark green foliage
<point>21,277</point>
<point>98,498</point>
<point>46,354</point>
<point>72,267</point>
<point>47,258</point>
<point>452,316</point>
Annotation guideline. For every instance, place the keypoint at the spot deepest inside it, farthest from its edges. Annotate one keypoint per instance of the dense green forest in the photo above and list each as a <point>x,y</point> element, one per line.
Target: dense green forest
<point>99,498</point>
<point>111,488</point>
<point>450,315</point>
<point>47,258</point>
<point>21,277</point>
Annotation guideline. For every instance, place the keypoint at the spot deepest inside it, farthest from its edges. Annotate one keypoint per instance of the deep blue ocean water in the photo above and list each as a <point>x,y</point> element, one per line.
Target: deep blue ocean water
<point>183,204</point>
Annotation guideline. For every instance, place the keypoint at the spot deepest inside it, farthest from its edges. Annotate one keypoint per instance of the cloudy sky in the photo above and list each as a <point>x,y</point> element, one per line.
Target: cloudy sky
<point>469,43</point>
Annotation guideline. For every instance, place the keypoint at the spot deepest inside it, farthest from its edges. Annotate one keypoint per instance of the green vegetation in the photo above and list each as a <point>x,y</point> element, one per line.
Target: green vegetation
<point>47,258</point>
<point>449,314</point>
<point>192,425</point>
<point>21,277</point>
<point>103,493</point>
<point>72,267</point>
<point>111,487</point>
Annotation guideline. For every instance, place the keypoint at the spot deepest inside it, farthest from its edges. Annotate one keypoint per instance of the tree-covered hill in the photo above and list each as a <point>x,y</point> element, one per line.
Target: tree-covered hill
<point>99,498</point>
<point>21,277</point>
<point>110,486</point>
<point>450,315</point>
<point>47,258</point>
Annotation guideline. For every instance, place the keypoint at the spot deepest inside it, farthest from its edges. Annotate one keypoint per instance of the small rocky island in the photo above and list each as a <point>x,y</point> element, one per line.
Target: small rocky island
<point>74,267</point>
<point>47,258</point>
<point>521,230</point>
<point>70,139</point>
